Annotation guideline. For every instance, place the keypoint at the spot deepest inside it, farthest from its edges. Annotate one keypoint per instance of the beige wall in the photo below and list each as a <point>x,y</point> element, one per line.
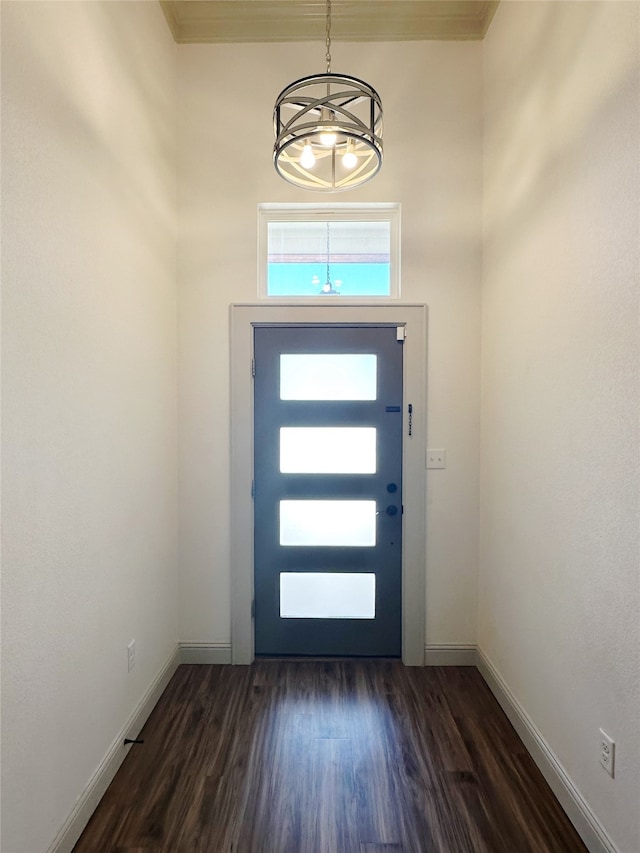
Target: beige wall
<point>559,613</point>
<point>89,392</point>
<point>433,168</point>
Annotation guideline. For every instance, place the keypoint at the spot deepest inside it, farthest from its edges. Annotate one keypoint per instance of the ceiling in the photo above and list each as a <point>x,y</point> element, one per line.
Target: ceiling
<point>208,21</point>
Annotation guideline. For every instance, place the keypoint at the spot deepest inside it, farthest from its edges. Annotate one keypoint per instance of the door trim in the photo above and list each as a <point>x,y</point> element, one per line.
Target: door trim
<point>243,320</point>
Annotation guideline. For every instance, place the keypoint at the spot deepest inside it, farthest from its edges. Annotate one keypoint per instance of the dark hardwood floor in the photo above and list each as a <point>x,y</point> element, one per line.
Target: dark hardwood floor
<point>342,756</point>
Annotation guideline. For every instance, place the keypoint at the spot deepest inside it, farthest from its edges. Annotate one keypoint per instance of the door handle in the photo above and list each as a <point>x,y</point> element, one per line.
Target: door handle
<point>390,510</point>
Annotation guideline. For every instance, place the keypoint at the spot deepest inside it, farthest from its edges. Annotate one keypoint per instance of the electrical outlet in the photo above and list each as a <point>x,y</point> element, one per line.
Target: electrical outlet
<point>131,655</point>
<point>436,459</point>
<point>607,752</point>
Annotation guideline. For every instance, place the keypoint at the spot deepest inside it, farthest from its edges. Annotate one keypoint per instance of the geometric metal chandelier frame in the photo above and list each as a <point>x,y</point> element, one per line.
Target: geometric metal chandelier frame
<point>328,116</point>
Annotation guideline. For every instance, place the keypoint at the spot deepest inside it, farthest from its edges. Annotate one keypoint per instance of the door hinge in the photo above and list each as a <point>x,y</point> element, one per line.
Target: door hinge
<point>253,488</point>
<point>253,367</point>
<point>401,333</point>
<point>410,413</point>
<point>253,609</point>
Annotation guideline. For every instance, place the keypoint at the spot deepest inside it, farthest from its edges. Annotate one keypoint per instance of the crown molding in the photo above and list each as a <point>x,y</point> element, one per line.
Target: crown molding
<point>220,21</point>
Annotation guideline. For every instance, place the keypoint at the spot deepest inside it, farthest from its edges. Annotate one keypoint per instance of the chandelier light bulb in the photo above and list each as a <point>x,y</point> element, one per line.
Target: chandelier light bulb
<point>350,160</point>
<point>307,159</point>
<point>328,135</point>
<point>328,138</point>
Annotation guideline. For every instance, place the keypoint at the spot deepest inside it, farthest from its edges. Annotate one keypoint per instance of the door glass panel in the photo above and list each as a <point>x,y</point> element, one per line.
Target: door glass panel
<point>328,522</point>
<point>327,595</point>
<point>328,450</point>
<point>331,376</point>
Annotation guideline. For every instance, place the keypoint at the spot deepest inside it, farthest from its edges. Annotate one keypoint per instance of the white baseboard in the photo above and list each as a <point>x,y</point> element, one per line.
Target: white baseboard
<point>435,655</point>
<point>101,779</point>
<point>440,654</point>
<point>593,834</point>
<point>205,653</point>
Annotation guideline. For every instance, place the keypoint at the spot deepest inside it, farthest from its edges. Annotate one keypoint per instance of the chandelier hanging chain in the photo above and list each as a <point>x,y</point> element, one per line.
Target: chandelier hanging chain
<point>328,37</point>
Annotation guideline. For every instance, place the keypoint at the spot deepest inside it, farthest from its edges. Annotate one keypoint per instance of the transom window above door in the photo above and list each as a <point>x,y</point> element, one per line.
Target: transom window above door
<point>349,251</point>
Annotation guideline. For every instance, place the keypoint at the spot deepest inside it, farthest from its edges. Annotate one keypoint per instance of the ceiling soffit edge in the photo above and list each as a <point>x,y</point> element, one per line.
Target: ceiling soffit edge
<point>236,21</point>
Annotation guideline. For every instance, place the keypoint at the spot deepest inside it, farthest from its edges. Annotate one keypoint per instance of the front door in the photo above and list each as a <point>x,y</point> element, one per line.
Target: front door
<point>328,490</point>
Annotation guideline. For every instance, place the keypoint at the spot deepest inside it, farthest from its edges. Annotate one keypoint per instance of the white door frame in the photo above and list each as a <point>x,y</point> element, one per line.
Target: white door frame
<point>243,320</point>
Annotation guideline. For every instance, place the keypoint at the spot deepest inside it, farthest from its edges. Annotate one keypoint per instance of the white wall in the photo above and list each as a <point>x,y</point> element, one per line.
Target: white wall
<point>431,94</point>
<point>89,391</point>
<point>559,610</point>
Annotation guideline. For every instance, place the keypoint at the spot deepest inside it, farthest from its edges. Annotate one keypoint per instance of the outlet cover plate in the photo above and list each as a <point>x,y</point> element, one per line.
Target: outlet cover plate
<point>436,458</point>
<point>607,752</point>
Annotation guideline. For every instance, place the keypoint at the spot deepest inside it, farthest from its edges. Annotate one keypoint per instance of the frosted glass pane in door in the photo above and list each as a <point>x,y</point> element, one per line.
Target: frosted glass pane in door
<point>328,523</point>
<point>327,595</point>
<point>331,376</point>
<point>328,450</point>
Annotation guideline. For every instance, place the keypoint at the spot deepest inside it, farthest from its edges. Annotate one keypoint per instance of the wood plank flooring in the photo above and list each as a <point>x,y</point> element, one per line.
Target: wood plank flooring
<point>334,756</point>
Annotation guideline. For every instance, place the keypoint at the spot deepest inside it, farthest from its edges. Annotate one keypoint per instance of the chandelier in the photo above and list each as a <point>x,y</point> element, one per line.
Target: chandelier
<point>328,130</point>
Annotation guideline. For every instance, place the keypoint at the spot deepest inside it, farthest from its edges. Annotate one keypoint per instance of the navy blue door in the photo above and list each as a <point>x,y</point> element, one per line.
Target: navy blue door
<point>328,490</point>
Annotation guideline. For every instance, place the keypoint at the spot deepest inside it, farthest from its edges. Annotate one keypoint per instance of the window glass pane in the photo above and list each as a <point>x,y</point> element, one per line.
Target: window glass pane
<point>334,376</point>
<point>328,450</point>
<point>327,595</point>
<point>328,522</point>
<point>358,253</point>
